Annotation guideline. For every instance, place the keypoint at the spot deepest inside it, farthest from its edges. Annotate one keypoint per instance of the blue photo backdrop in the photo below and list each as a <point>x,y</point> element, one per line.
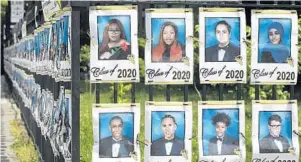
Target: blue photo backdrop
<point>210,38</point>
<point>157,25</point>
<point>286,128</point>
<point>209,129</point>
<point>102,21</point>
<point>67,109</point>
<point>263,37</point>
<point>58,31</point>
<point>156,123</point>
<point>128,124</point>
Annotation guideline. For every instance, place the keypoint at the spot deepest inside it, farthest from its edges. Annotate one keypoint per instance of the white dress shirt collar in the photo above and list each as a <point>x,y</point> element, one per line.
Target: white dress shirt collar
<point>279,145</point>
<point>168,147</point>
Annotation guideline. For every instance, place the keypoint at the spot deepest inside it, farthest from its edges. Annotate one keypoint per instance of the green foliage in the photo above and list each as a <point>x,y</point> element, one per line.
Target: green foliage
<point>22,146</point>
<point>84,56</point>
<point>4,4</point>
<point>86,127</point>
<point>85,53</point>
<point>141,42</point>
<point>123,91</point>
<point>141,69</point>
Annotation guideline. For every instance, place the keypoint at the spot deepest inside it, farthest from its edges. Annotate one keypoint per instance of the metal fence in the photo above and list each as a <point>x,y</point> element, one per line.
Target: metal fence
<point>79,37</point>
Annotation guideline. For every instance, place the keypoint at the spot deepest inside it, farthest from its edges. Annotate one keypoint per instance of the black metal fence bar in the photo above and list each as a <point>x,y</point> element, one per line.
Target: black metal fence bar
<point>133,93</point>
<point>167,92</point>
<point>204,89</point>
<point>75,82</point>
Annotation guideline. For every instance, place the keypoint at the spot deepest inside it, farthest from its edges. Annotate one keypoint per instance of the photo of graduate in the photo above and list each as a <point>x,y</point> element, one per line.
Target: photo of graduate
<point>116,135</point>
<point>114,37</point>
<point>222,37</point>
<point>64,29</point>
<point>274,40</point>
<point>275,132</point>
<point>168,133</point>
<point>53,43</point>
<point>168,43</point>
<point>220,131</point>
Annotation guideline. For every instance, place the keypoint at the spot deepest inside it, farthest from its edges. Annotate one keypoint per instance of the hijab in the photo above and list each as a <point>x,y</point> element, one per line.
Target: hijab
<point>279,51</point>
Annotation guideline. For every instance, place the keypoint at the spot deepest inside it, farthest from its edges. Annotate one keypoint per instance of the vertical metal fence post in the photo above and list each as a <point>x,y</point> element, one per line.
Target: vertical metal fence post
<point>150,93</point>
<point>185,93</point>
<point>292,92</point>
<point>167,92</point>
<point>257,92</point>
<point>204,88</point>
<point>221,92</point>
<point>97,93</point>
<point>75,82</point>
<point>115,92</point>
<point>238,91</point>
<point>274,95</point>
<point>133,93</point>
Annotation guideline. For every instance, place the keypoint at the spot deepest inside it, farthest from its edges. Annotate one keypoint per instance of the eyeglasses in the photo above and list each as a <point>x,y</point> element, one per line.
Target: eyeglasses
<point>115,31</point>
<point>275,126</point>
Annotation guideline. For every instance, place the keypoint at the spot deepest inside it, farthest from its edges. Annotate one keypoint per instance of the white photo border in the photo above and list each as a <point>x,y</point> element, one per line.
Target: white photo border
<point>65,66</point>
<point>223,105</point>
<point>113,65</point>
<point>115,108</point>
<point>170,69</point>
<point>273,68</point>
<point>221,67</point>
<point>279,105</point>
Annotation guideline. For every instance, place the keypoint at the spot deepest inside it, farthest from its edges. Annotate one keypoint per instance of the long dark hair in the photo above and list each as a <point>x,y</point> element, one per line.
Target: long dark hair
<point>106,39</point>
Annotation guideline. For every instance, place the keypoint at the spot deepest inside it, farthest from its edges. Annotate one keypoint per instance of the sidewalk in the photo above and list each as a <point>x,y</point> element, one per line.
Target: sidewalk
<point>7,115</point>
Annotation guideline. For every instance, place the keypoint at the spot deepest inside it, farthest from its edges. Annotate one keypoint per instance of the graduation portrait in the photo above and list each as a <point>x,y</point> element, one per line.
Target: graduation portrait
<point>168,130</point>
<point>222,50</point>
<point>168,133</point>
<point>274,40</point>
<point>114,37</point>
<point>220,131</point>
<point>274,123</point>
<point>274,35</point>
<point>168,39</point>
<point>222,39</point>
<point>64,56</point>
<point>116,134</point>
<point>169,46</point>
<point>275,131</point>
<point>114,44</point>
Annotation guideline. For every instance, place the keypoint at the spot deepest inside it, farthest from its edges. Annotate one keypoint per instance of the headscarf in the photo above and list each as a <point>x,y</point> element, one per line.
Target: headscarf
<point>279,51</point>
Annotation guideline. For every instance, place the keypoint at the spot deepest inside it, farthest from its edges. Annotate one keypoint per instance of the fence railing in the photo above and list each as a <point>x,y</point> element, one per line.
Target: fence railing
<point>79,19</point>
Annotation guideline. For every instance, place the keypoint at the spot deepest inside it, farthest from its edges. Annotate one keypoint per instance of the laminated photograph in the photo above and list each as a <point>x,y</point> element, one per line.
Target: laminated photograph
<point>168,131</point>
<point>222,47</point>
<point>169,46</point>
<point>114,44</point>
<point>115,130</point>
<point>274,47</point>
<point>275,130</point>
<point>221,131</point>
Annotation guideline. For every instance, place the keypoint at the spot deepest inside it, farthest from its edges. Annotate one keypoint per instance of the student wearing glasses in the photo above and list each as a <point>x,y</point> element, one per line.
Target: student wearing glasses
<point>114,45</point>
<point>274,142</point>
